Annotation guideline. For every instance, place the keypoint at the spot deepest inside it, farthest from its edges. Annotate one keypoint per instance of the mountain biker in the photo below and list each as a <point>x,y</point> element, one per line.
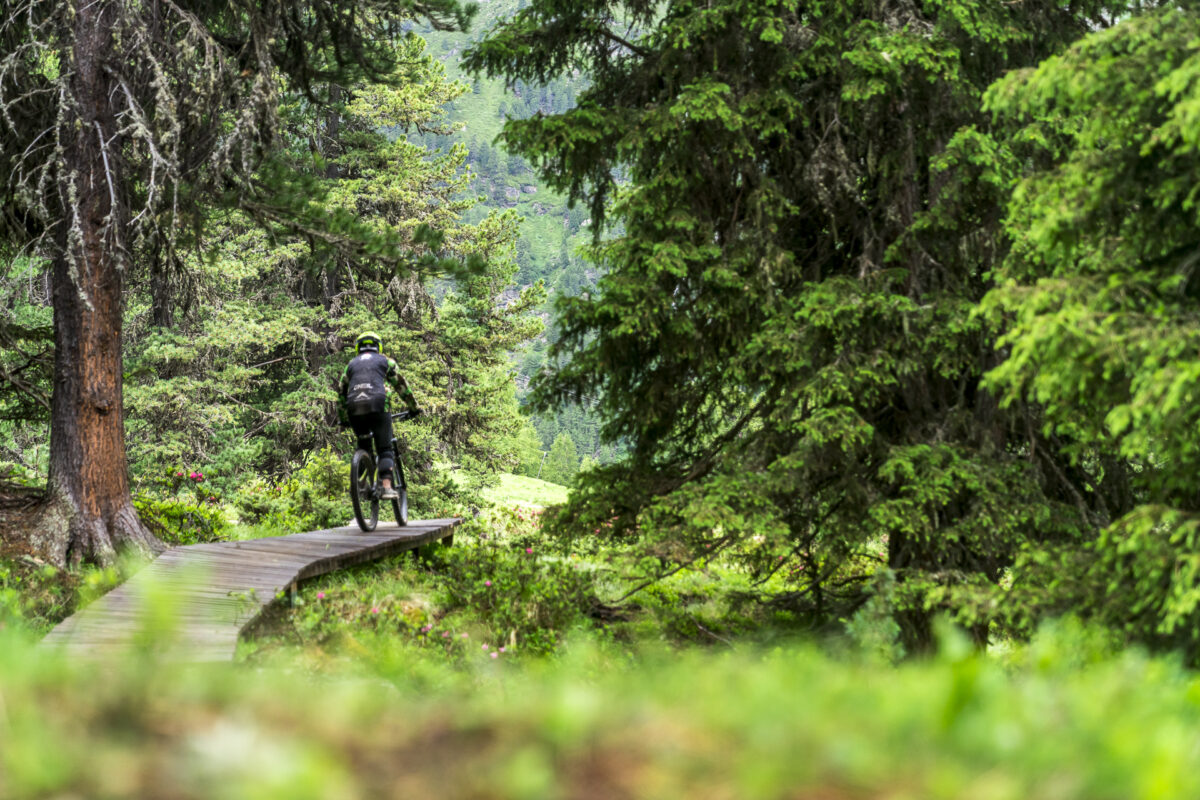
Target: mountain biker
<point>366,402</point>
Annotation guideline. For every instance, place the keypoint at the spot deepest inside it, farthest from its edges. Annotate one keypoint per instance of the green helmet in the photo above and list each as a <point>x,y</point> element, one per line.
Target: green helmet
<point>369,340</point>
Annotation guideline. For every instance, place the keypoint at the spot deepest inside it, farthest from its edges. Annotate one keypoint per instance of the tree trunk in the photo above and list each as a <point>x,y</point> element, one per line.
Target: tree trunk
<point>162,300</point>
<point>89,480</point>
<point>916,624</point>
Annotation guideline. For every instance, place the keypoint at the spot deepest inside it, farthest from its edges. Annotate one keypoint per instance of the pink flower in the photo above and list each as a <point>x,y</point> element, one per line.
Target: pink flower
<point>464,636</point>
<point>501,649</point>
<point>320,595</point>
<point>485,647</point>
<point>487,583</point>
<point>495,655</point>
<point>178,474</point>
<point>528,549</point>
<point>375,610</point>
<point>445,634</point>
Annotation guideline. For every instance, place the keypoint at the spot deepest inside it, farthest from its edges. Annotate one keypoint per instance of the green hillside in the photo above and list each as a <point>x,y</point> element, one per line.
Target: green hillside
<point>551,233</point>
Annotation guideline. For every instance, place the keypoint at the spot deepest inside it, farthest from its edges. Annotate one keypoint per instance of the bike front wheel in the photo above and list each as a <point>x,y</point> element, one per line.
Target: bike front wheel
<point>362,490</point>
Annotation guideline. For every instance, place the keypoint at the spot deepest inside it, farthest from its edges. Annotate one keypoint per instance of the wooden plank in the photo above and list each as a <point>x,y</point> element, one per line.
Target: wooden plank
<point>222,587</point>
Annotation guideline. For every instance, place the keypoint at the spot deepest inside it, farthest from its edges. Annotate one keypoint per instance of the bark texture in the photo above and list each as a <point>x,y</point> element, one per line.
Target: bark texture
<point>89,479</point>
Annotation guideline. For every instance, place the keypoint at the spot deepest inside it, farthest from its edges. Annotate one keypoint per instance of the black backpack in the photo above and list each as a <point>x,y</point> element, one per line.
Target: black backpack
<point>367,392</point>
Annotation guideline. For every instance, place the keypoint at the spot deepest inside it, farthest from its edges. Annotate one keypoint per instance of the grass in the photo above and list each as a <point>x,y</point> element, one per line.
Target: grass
<point>519,490</point>
<point>389,680</point>
<point>1056,722</point>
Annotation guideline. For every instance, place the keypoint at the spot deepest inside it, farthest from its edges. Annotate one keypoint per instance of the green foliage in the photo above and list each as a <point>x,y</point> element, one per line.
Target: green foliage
<point>34,594</point>
<point>496,590</point>
<point>179,521</point>
<point>527,599</point>
<point>1060,720</point>
<point>528,451</point>
<point>359,615</point>
<point>710,606</point>
<point>259,326</point>
<point>26,364</point>
<point>196,128</point>
<point>551,230</point>
<point>873,628</point>
<point>1097,300</point>
<point>313,498</point>
<point>580,422</point>
<point>782,335</point>
<point>234,339</point>
<point>562,462</point>
<point>26,349</point>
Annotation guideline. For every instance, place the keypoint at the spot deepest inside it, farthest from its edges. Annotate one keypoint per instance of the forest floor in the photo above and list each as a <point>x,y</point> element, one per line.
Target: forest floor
<point>501,668</point>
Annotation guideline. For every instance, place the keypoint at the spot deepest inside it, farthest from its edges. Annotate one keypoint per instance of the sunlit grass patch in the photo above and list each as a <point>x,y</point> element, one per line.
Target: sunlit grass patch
<point>519,490</point>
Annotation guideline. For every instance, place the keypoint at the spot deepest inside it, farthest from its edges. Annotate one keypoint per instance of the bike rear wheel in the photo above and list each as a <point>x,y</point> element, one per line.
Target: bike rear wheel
<point>362,490</point>
<point>400,504</point>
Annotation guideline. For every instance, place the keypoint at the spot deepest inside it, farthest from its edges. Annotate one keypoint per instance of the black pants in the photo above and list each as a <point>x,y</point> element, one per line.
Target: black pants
<point>379,427</point>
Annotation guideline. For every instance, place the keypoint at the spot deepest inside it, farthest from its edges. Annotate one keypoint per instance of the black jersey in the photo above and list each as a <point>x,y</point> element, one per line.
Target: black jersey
<point>366,382</point>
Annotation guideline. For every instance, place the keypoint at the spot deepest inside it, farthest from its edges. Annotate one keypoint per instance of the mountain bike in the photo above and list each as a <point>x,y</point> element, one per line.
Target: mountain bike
<point>365,489</point>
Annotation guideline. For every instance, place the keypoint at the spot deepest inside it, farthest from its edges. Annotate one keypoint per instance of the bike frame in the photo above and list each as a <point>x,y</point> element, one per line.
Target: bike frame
<point>372,495</point>
<point>398,480</point>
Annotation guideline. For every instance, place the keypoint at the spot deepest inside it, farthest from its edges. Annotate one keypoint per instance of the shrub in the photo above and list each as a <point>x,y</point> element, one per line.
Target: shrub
<point>179,522</point>
<point>314,497</point>
<point>788,722</point>
<point>36,595</point>
<point>525,598</point>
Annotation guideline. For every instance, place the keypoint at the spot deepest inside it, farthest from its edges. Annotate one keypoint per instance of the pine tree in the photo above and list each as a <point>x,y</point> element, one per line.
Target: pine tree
<point>118,118</point>
<point>1098,301</point>
<point>783,334</point>
<point>242,383</point>
<point>563,462</point>
<point>529,450</point>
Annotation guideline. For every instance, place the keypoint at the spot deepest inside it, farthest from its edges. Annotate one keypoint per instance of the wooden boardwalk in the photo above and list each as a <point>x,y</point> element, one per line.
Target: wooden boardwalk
<point>191,603</point>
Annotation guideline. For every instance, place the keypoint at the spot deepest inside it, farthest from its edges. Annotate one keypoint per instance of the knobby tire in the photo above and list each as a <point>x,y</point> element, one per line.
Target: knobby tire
<point>362,491</point>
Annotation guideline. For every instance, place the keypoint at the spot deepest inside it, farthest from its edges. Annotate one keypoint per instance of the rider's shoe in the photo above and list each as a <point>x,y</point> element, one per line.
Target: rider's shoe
<point>386,491</point>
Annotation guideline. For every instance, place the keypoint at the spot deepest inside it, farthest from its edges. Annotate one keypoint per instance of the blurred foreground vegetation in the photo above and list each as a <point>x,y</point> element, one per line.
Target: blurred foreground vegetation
<point>512,666</point>
<point>1060,718</point>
